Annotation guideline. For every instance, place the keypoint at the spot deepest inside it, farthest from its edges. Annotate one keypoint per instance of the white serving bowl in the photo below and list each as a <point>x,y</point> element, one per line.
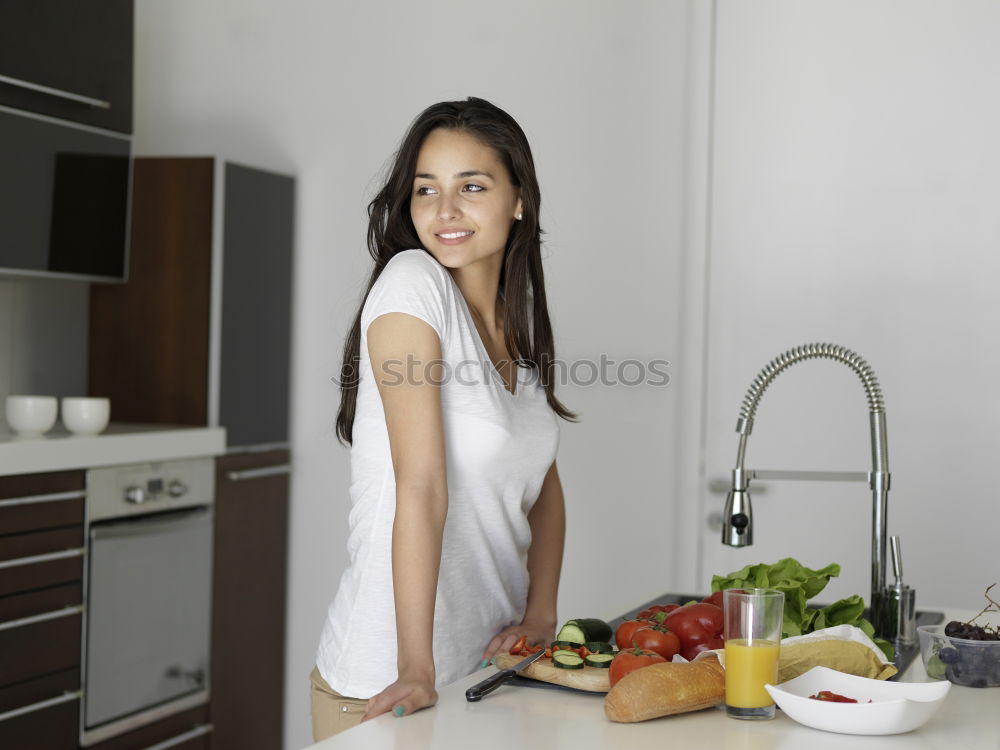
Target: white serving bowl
<point>895,707</point>
<point>31,416</point>
<point>85,416</point>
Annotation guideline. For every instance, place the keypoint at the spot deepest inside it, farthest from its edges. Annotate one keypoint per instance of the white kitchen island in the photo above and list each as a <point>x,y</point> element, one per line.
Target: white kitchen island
<point>524,717</point>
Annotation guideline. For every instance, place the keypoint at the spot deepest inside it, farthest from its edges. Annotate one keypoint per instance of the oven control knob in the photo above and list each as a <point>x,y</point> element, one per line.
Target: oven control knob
<point>135,495</point>
<point>177,489</point>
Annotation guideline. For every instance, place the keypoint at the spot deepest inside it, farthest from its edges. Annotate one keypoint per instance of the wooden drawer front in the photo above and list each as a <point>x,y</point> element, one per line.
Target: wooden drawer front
<point>34,650</point>
<point>40,689</point>
<point>33,513</point>
<point>193,723</point>
<point>53,728</point>
<point>26,485</point>
<point>16,546</point>
<point>19,578</point>
<point>40,602</point>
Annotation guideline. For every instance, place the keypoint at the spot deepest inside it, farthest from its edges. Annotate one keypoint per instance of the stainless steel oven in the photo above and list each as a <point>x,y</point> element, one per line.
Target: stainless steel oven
<point>147,610</point>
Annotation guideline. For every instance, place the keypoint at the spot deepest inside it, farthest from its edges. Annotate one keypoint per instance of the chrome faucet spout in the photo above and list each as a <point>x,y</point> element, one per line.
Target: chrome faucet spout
<point>737,527</point>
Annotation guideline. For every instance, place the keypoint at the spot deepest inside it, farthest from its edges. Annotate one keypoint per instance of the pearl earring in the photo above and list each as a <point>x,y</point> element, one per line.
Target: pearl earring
<point>518,216</point>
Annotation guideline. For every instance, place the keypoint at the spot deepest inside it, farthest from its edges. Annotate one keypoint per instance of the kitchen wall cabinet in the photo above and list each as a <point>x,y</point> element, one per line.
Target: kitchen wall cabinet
<point>69,60</point>
<point>200,333</point>
<point>41,573</point>
<point>249,595</point>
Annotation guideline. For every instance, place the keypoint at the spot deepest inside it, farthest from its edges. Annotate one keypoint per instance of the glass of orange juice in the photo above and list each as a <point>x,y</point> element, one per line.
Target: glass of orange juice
<point>752,630</point>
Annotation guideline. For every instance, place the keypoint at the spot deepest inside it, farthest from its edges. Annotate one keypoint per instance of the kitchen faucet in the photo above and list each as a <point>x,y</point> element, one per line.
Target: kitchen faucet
<point>737,525</point>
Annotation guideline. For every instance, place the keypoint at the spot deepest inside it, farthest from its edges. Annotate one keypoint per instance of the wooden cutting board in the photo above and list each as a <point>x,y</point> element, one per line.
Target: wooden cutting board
<point>592,679</point>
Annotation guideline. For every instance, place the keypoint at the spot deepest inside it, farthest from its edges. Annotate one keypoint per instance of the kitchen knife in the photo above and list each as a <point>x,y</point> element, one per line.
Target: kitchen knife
<point>490,684</point>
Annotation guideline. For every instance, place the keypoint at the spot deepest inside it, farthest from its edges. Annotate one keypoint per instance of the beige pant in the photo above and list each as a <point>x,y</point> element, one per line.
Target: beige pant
<point>332,712</point>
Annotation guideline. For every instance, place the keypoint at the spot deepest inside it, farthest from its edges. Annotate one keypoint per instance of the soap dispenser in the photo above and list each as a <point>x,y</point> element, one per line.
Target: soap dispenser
<point>901,615</point>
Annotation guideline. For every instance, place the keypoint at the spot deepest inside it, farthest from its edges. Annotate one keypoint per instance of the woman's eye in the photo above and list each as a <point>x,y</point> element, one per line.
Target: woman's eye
<point>425,190</point>
<point>472,188</point>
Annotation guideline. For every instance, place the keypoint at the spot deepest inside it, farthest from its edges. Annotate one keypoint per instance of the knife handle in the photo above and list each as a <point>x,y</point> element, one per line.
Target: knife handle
<point>488,685</point>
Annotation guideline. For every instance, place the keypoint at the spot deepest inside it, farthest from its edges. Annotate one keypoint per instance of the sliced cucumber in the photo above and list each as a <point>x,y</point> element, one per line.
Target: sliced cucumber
<point>571,633</point>
<point>601,661</point>
<point>567,660</point>
<point>585,629</point>
<point>599,647</point>
<point>564,644</point>
<point>564,652</point>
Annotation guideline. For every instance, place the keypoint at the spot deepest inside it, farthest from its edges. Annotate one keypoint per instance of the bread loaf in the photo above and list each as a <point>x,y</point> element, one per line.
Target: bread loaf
<point>665,689</point>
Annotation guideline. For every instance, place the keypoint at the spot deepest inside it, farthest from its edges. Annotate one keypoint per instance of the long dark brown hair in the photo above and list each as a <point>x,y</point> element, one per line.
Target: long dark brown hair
<point>391,230</point>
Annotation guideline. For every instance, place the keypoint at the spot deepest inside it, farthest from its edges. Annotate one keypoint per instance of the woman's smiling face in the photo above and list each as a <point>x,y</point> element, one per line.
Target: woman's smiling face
<point>463,201</point>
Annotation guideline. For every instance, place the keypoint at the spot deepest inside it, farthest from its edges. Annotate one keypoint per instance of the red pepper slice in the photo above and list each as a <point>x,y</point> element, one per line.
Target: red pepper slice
<point>516,648</point>
<point>829,695</point>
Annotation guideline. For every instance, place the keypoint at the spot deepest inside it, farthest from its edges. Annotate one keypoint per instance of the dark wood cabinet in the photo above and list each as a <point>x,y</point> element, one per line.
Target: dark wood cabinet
<point>41,597</point>
<point>249,593</point>
<point>188,730</point>
<point>68,59</point>
<point>200,333</point>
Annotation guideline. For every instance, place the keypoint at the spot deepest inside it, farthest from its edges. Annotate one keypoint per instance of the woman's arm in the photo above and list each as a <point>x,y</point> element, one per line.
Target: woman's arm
<point>547,519</point>
<point>400,347</point>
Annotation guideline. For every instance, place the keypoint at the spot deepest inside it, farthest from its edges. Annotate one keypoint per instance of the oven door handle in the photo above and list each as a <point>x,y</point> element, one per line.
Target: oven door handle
<point>162,522</point>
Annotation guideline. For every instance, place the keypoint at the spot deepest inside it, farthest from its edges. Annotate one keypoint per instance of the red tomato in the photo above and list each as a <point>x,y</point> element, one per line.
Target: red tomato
<point>660,616</point>
<point>623,636</point>
<point>656,609</point>
<point>631,660</point>
<point>661,640</point>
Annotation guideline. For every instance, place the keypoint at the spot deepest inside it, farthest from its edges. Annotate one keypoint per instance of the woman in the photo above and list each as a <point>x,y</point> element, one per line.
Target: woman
<point>457,518</point>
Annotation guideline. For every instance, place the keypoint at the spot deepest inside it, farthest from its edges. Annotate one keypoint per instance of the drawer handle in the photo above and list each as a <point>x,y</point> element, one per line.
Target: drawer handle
<point>47,557</point>
<point>66,612</point>
<point>64,698</point>
<point>265,471</point>
<point>198,731</point>
<point>56,92</point>
<point>31,499</point>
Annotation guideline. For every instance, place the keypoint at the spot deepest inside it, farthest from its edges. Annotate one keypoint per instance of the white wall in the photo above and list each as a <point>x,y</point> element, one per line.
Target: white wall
<point>324,91</point>
<point>855,185</point>
<point>43,337</point>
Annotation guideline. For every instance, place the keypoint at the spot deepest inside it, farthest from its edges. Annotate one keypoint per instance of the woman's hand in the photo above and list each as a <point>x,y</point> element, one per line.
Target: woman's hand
<point>538,633</point>
<point>402,697</point>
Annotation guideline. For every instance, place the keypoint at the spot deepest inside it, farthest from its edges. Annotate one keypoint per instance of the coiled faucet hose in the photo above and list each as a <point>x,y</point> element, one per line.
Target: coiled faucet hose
<point>810,351</point>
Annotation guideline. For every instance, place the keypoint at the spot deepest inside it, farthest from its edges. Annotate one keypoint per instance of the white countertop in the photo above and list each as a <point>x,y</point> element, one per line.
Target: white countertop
<point>522,717</point>
<point>118,444</point>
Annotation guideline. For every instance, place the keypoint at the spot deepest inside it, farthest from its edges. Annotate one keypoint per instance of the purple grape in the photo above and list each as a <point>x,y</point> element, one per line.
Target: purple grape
<point>948,655</point>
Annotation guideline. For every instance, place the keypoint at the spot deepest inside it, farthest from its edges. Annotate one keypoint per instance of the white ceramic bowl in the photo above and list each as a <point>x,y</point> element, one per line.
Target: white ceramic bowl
<point>895,707</point>
<point>85,416</point>
<point>31,416</point>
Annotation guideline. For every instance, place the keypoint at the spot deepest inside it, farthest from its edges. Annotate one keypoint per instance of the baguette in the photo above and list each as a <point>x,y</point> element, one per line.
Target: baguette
<point>666,689</point>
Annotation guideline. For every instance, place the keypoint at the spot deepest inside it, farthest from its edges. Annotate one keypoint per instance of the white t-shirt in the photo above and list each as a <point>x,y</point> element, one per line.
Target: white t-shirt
<point>498,448</point>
